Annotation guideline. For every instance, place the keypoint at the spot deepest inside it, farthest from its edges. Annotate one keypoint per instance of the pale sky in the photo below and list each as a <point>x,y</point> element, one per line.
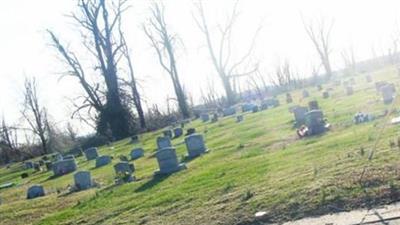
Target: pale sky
<point>25,49</point>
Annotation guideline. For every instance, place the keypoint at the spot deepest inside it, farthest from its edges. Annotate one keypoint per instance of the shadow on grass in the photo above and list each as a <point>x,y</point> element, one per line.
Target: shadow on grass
<point>153,182</point>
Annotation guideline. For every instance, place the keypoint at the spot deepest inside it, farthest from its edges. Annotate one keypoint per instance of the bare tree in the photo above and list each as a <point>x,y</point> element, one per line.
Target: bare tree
<point>164,44</point>
<point>319,32</point>
<point>137,101</point>
<point>221,54</point>
<point>35,114</point>
<point>99,22</point>
<point>349,59</point>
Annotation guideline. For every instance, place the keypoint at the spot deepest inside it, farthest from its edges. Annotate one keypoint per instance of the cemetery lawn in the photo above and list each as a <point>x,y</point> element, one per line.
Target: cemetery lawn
<point>256,165</point>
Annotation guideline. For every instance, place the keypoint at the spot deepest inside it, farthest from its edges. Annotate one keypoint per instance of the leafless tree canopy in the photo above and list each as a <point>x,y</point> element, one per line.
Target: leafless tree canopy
<point>165,43</point>
<point>35,114</point>
<point>227,68</point>
<point>319,32</point>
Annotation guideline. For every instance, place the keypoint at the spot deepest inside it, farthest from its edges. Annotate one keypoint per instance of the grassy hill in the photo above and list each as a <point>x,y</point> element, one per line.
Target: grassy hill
<point>256,165</point>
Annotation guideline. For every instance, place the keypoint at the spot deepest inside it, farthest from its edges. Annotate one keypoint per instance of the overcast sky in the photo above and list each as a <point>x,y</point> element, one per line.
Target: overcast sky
<point>25,49</point>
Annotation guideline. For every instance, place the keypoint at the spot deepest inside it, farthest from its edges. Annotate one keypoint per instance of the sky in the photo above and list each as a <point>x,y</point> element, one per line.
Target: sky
<point>25,49</point>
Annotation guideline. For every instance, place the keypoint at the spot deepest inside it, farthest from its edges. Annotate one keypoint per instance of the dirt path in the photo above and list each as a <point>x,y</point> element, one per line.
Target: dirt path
<point>386,215</point>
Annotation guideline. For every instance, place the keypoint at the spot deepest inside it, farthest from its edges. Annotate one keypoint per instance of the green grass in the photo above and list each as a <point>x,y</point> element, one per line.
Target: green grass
<point>256,165</point>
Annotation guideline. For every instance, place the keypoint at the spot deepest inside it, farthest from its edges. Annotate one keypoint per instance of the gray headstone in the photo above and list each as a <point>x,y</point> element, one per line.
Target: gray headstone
<point>247,107</point>
<point>64,166</point>
<point>313,105</point>
<point>167,133</point>
<point>349,90</point>
<point>195,145</point>
<point>69,157</point>
<point>103,160</point>
<point>289,98</point>
<point>163,142</point>
<point>305,94</point>
<point>255,109</point>
<point>58,157</point>
<point>178,132</point>
<point>315,122</point>
<point>76,151</point>
<point>134,139</point>
<point>83,180</point>
<point>168,161</point>
<point>325,94</point>
<point>28,165</point>
<point>137,153</point>
<point>49,165</point>
<point>214,118</point>
<point>300,114</point>
<point>269,103</point>
<point>229,111</point>
<point>91,153</point>
<point>36,166</point>
<point>388,93</point>
<point>204,117</point>
<point>239,118</point>
<point>35,192</point>
<point>124,171</point>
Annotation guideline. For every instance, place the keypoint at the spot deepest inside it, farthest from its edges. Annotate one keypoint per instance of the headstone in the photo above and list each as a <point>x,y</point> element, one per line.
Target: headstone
<point>64,166</point>
<point>313,105</point>
<point>388,93</point>
<point>305,94</point>
<point>300,114</point>
<point>214,118</point>
<point>204,117</point>
<point>195,145</point>
<point>124,171</point>
<point>229,111</point>
<point>24,175</point>
<point>28,165</point>
<point>36,167</point>
<point>35,191</point>
<point>134,139</point>
<point>168,161</point>
<point>41,163</point>
<point>163,142</point>
<point>123,158</point>
<point>247,107</point>
<point>58,157</point>
<point>239,118</point>
<point>178,132</point>
<point>255,109</point>
<point>137,153</point>
<point>83,180</point>
<point>68,157</point>
<point>167,133</point>
<point>91,153</point>
<point>269,103</point>
<point>289,98</point>
<point>190,131</point>
<point>77,151</point>
<point>103,160</point>
<point>349,90</point>
<point>315,122</point>
<point>49,165</point>
<point>380,84</point>
<point>325,94</point>
<point>368,78</point>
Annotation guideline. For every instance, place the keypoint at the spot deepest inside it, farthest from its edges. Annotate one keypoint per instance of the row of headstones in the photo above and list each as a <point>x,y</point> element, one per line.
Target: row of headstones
<point>312,117</point>
<point>166,157</point>
<point>246,107</point>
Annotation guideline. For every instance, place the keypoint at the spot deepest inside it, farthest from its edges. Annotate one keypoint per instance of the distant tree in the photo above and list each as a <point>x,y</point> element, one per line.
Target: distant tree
<point>319,32</point>
<point>99,22</point>
<point>227,68</point>
<point>165,43</point>
<point>137,101</point>
<point>349,59</point>
<point>8,142</point>
<point>35,114</point>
